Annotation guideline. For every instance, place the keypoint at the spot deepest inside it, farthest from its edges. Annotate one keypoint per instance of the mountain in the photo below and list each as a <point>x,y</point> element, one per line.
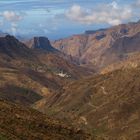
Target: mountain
<point>29,75</point>
<point>122,49</point>
<point>11,47</point>
<point>54,59</point>
<point>89,48</point>
<point>18,123</point>
<point>92,85</point>
<point>106,105</point>
<point>39,43</point>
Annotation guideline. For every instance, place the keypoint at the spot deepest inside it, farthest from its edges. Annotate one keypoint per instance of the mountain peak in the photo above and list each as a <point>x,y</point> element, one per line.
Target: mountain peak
<point>40,43</point>
<point>10,46</point>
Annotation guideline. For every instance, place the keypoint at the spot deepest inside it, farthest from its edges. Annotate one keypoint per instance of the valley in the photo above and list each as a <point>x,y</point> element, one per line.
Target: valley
<point>85,87</point>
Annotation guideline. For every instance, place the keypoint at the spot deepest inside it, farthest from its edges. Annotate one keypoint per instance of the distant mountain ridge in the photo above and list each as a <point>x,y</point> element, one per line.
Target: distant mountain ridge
<point>89,48</point>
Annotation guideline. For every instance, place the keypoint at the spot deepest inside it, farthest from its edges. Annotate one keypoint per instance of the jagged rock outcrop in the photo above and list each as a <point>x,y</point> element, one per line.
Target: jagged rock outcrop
<point>40,43</point>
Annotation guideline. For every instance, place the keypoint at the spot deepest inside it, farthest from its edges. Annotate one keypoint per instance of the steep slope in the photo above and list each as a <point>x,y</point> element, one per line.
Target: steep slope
<point>20,123</point>
<point>62,66</point>
<point>106,105</point>
<point>55,60</point>
<point>14,53</point>
<point>15,57</point>
<point>89,48</point>
<point>11,47</point>
<point>26,78</point>
<point>29,75</point>
<point>121,49</point>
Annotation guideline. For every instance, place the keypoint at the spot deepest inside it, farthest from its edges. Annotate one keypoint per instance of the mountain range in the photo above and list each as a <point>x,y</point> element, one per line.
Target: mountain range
<point>96,48</point>
<point>84,87</point>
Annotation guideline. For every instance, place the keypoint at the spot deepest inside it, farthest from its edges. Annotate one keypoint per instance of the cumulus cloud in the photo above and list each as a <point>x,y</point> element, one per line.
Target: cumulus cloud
<point>112,14</point>
<point>12,16</point>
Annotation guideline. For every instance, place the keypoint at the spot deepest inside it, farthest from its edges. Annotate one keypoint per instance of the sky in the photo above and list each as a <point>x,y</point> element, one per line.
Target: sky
<point>61,18</point>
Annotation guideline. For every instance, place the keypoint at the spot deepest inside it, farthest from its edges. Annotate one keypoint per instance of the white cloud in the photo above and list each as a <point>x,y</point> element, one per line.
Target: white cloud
<point>112,14</point>
<point>13,30</point>
<point>12,16</point>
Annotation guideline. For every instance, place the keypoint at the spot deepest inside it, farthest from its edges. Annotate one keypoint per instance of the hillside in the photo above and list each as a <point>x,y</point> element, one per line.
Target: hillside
<point>106,105</point>
<point>122,49</point>
<point>19,123</point>
<point>54,59</point>
<point>28,75</point>
<point>100,97</point>
<point>89,48</point>
<point>69,70</point>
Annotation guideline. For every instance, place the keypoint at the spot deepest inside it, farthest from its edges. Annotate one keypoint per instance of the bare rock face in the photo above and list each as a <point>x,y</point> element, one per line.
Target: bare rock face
<point>89,48</point>
<point>40,43</point>
<point>122,49</point>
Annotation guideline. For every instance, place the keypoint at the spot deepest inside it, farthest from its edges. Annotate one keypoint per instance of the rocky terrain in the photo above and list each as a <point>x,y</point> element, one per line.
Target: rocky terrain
<point>19,123</point>
<point>106,105</point>
<point>39,43</point>
<point>28,75</point>
<point>90,48</point>
<point>87,87</point>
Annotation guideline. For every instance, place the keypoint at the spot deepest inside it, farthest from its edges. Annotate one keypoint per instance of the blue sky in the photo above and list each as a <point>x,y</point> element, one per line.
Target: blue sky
<point>61,18</point>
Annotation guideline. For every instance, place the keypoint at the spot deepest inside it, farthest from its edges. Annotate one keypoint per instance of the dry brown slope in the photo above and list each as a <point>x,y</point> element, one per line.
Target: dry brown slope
<point>107,105</point>
<point>20,123</point>
<point>29,75</point>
